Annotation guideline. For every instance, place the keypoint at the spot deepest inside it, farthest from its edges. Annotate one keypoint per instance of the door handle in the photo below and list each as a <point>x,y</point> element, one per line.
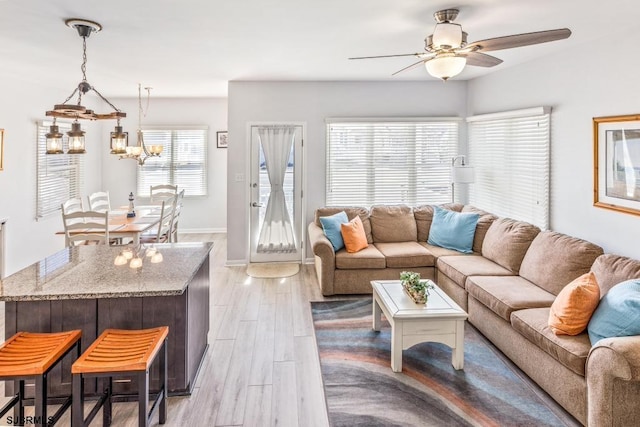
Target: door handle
<point>257,205</point>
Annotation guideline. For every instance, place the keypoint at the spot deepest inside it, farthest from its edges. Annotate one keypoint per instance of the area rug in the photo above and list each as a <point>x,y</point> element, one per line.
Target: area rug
<point>272,270</point>
<point>361,389</point>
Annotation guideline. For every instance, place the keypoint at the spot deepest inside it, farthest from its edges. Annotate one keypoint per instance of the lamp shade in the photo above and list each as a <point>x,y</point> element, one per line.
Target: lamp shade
<point>447,36</point>
<point>446,66</point>
<point>76,139</point>
<point>462,174</point>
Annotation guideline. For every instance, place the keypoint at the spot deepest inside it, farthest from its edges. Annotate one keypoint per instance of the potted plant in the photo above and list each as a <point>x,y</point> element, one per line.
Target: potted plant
<point>417,289</point>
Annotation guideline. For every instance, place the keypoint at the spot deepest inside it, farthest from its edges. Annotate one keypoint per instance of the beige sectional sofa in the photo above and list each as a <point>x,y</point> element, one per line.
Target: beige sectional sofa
<point>507,286</point>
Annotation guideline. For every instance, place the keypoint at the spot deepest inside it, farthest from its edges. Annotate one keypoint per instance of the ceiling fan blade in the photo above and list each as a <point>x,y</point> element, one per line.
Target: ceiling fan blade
<point>387,56</point>
<point>415,64</point>
<point>518,40</point>
<point>478,59</point>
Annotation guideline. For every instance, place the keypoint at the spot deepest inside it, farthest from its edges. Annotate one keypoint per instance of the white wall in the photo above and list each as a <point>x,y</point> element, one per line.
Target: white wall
<point>312,103</point>
<point>201,214</point>
<point>598,79</point>
<point>23,104</point>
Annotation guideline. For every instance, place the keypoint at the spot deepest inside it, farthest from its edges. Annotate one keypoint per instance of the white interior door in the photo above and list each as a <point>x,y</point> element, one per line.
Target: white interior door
<point>276,193</point>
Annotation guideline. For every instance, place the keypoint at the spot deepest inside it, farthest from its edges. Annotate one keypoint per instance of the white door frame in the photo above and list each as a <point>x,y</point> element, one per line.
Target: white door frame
<point>303,186</point>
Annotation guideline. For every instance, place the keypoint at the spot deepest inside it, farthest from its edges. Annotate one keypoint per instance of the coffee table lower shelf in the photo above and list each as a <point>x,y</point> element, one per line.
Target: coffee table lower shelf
<point>441,320</point>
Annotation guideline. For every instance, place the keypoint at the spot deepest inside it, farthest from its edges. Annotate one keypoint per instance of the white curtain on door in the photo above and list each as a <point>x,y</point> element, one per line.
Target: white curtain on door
<point>276,234</point>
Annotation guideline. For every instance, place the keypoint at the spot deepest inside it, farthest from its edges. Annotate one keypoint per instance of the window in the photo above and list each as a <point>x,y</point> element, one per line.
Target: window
<point>390,162</point>
<point>510,153</point>
<point>183,161</point>
<point>59,175</point>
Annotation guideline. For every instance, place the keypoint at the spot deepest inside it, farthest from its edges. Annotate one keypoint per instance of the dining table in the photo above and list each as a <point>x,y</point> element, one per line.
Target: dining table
<point>123,227</point>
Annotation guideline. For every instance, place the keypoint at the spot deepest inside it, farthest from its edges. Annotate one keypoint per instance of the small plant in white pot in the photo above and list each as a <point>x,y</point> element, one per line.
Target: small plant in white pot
<point>417,289</point>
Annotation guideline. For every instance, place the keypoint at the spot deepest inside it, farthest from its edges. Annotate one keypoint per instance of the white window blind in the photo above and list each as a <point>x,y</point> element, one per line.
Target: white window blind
<point>59,175</point>
<point>390,162</point>
<point>183,161</point>
<point>510,153</point>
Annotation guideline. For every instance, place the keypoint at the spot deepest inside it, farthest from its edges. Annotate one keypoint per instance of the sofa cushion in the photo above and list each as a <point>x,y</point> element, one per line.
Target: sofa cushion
<point>506,242</point>
<point>573,307</point>
<point>453,230</point>
<point>437,251</point>
<point>406,255</point>
<point>458,268</point>
<point>505,294</point>
<point>331,227</point>
<point>612,269</point>
<point>484,222</point>
<point>351,212</point>
<point>564,258</point>
<point>353,235</point>
<point>618,314</point>
<point>570,351</point>
<point>393,224</point>
<point>369,257</point>
<point>424,215</point>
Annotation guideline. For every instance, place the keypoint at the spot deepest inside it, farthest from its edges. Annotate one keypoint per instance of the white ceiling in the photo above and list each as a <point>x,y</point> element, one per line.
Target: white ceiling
<point>194,47</point>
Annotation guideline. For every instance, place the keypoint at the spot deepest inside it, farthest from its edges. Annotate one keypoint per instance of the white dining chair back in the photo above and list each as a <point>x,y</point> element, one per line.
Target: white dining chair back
<point>163,233</point>
<point>176,217</point>
<point>71,206</point>
<point>158,193</point>
<point>86,227</point>
<point>99,201</point>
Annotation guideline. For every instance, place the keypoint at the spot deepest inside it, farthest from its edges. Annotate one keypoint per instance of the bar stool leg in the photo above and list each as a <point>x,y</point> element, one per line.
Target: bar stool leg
<point>18,409</point>
<point>106,409</point>
<point>41,400</point>
<point>77,407</point>
<point>162,415</point>
<point>143,396</point>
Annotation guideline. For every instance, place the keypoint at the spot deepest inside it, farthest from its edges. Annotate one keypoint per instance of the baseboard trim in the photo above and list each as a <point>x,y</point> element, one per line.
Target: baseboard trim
<point>310,261</point>
<point>235,262</point>
<point>203,230</point>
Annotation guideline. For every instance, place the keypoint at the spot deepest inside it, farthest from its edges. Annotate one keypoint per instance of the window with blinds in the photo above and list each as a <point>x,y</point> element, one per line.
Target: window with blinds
<point>59,175</point>
<point>510,153</point>
<point>183,161</point>
<point>371,162</point>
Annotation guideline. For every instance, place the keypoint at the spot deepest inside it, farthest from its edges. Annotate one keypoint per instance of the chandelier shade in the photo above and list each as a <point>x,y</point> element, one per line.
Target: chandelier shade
<point>446,66</point>
<point>447,36</point>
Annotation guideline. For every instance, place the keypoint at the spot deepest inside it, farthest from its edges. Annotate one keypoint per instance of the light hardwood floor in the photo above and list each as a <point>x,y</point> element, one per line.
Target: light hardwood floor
<point>261,367</point>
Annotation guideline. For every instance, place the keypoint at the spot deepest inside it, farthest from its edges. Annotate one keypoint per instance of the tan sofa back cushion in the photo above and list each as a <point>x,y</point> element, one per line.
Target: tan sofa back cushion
<point>506,242</point>
<point>555,259</point>
<point>612,269</point>
<point>393,223</point>
<point>424,216</point>
<point>484,222</point>
<point>351,212</point>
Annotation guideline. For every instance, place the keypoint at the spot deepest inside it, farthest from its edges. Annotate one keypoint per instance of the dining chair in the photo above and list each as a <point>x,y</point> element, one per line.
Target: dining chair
<point>163,233</point>
<point>73,205</point>
<point>86,227</point>
<point>162,192</point>
<point>99,201</point>
<point>173,234</point>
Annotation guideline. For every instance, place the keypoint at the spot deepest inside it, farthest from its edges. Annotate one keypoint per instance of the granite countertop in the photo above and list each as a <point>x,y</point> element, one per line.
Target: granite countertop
<point>87,272</point>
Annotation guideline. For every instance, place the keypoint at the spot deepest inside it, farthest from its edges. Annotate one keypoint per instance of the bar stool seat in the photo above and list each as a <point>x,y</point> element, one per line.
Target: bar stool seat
<point>28,355</point>
<point>118,352</point>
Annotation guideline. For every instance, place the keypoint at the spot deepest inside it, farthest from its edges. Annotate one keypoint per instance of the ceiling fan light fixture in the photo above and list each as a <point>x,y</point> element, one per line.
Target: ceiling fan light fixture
<point>447,36</point>
<point>446,66</point>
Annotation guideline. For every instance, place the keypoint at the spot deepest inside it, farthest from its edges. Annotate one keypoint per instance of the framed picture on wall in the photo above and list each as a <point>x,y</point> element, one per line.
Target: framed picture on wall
<point>222,139</point>
<point>1,149</point>
<point>616,150</point>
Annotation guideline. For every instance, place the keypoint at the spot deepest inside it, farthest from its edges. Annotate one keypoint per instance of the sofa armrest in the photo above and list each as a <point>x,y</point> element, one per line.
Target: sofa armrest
<point>325,258</point>
<point>613,382</point>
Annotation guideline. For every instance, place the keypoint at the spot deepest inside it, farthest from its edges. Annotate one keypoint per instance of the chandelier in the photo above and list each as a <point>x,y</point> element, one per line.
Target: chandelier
<point>139,152</point>
<point>77,111</point>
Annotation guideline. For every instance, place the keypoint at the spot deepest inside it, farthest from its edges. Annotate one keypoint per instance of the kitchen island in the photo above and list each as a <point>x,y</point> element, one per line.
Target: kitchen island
<point>81,288</point>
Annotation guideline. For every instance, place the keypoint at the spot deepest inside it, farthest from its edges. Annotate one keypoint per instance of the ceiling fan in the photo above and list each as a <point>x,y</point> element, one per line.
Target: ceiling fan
<point>447,51</point>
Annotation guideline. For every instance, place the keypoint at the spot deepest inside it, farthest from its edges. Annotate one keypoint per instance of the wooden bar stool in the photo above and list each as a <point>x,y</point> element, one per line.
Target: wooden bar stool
<point>29,355</point>
<point>118,353</point>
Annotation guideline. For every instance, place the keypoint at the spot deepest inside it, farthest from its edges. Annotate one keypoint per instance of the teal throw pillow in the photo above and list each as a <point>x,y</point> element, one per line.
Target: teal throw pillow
<point>618,314</point>
<point>453,230</point>
<point>331,227</point>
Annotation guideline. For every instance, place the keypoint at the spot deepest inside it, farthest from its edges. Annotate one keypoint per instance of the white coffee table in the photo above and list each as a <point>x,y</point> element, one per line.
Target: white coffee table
<point>440,320</point>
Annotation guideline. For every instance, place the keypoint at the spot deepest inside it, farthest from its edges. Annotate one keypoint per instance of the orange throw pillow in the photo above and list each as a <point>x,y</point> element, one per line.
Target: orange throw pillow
<point>572,309</point>
<point>353,235</point>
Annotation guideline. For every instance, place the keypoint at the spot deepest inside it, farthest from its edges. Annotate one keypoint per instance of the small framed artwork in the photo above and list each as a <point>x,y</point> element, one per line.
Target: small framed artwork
<point>222,139</point>
<point>616,152</point>
<point>1,149</point>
